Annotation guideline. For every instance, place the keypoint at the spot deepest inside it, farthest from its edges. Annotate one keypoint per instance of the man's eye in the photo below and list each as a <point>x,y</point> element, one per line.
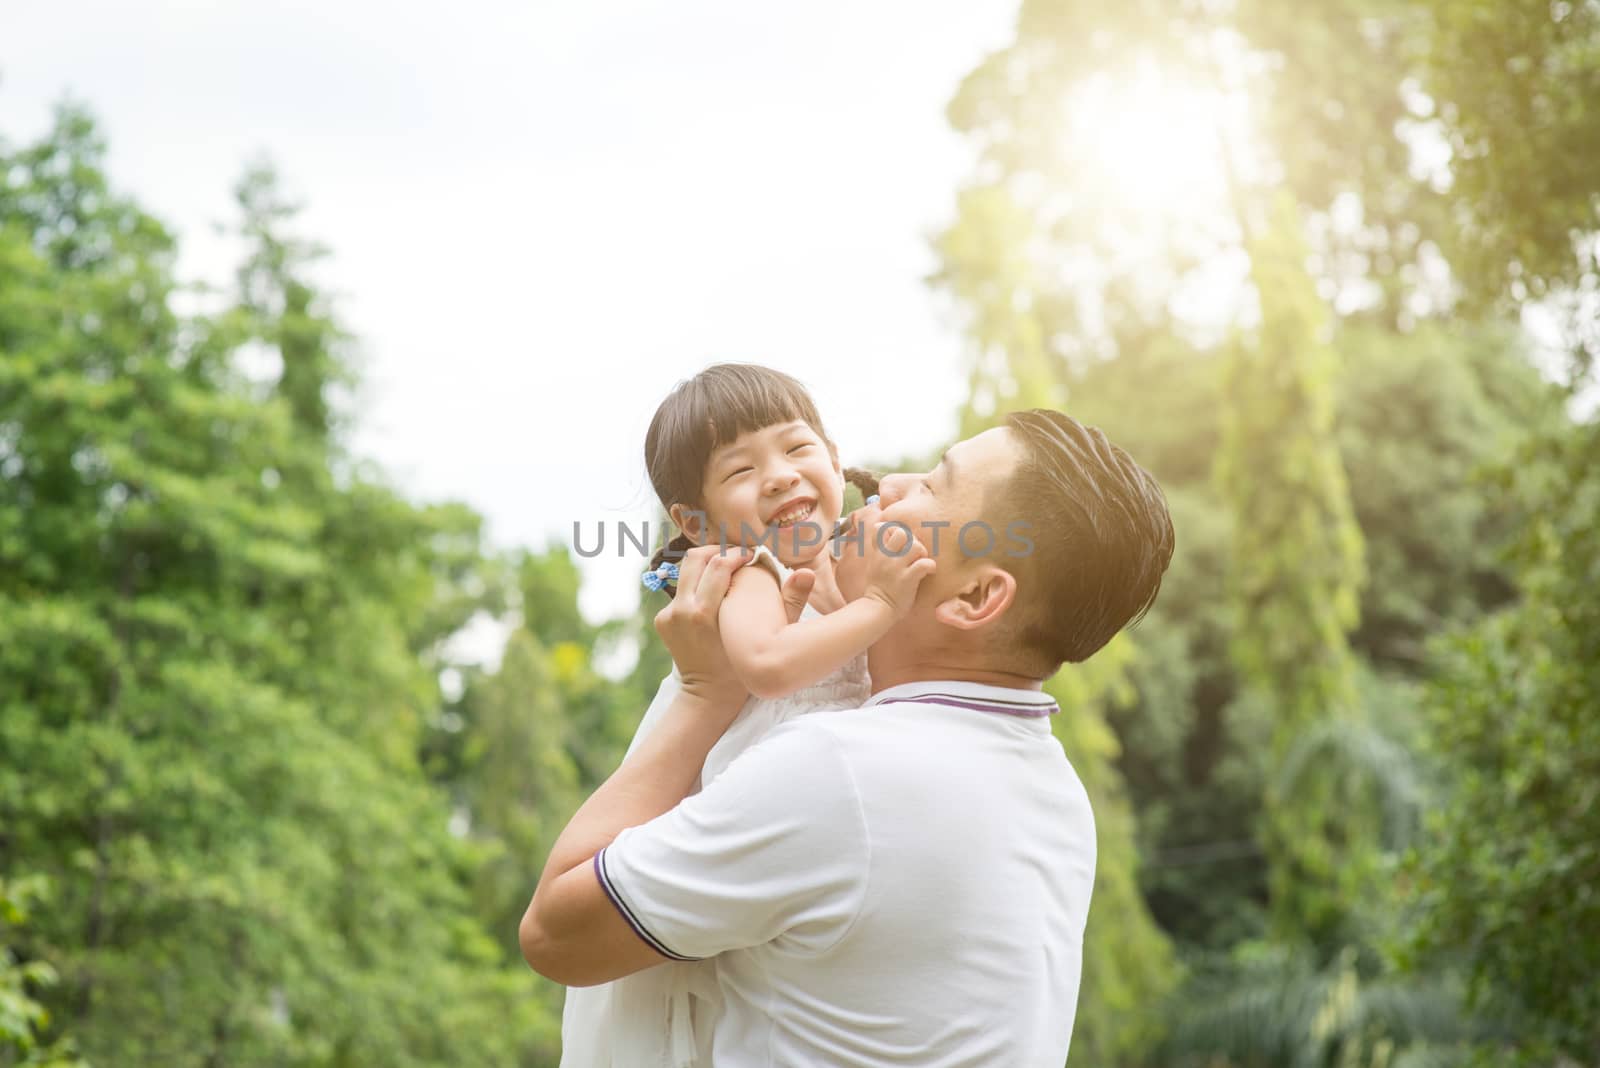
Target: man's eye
<point>927,485</point>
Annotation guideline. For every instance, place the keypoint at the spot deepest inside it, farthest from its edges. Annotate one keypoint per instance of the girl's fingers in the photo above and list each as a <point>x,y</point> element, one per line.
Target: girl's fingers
<point>796,592</point>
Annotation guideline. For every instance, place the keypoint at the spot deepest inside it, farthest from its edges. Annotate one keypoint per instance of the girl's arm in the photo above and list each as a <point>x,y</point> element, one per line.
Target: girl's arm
<point>772,656</point>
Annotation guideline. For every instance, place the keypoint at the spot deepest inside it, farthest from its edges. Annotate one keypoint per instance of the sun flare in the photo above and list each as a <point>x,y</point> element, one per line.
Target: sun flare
<point>1155,146</point>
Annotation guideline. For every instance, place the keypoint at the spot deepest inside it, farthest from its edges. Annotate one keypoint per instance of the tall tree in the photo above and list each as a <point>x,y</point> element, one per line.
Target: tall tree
<point>283,309</point>
<point>215,657</point>
<point>520,786</point>
<point>1128,963</point>
<point>27,1038</point>
<point>1504,880</point>
<point>1412,136</point>
<point>1296,567</point>
<point>1130,160</point>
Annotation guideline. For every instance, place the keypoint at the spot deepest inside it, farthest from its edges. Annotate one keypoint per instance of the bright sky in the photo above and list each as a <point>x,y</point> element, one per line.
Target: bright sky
<point>542,216</point>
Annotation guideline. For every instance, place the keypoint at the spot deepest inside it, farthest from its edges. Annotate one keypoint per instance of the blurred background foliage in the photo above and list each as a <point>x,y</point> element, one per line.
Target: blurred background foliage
<point>255,809</point>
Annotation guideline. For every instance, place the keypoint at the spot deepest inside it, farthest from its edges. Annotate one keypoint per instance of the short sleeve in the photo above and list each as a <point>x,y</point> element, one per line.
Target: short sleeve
<point>764,558</point>
<point>775,849</point>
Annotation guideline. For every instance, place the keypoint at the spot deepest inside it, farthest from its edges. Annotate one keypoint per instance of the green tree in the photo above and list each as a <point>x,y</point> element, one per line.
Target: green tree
<point>1432,157</point>
<point>540,733</point>
<point>1449,132</point>
<point>520,786</point>
<point>1416,416</point>
<point>1295,570</point>
<point>1511,91</point>
<point>1128,964</point>
<point>1505,875</point>
<point>1420,418</point>
<point>25,1024</point>
<point>1344,104</point>
<point>1271,1008</point>
<point>219,638</point>
<point>285,311</point>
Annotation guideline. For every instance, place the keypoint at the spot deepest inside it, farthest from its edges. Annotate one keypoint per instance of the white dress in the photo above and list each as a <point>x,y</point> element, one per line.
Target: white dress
<point>663,1017</point>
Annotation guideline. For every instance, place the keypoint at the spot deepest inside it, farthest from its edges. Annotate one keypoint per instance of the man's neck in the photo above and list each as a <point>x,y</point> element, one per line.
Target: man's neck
<point>887,675</point>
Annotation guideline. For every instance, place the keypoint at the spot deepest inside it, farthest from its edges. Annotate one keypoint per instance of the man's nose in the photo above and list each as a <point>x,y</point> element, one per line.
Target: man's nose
<point>891,488</point>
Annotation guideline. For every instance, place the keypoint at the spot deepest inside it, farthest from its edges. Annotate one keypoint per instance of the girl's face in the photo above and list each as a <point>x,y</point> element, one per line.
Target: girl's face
<point>778,484</point>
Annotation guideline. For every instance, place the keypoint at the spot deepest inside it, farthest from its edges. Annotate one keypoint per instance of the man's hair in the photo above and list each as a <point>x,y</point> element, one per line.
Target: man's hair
<point>1102,538</point>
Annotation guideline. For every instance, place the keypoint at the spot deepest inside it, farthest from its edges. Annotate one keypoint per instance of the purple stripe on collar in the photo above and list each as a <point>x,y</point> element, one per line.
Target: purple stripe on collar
<point>1030,711</point>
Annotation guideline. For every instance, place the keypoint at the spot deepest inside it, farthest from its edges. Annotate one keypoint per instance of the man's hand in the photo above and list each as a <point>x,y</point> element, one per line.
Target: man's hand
<point>573,932</point>
<point>896,563</point>
<point>688,625</point>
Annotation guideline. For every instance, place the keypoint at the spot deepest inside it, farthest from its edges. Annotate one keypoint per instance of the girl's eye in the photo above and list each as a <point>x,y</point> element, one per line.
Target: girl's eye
<point>735,474</point>
<point>802,445</point>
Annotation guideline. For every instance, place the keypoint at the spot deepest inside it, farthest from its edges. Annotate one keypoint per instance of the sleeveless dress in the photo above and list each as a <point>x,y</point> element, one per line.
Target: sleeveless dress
<point>663,1017</point>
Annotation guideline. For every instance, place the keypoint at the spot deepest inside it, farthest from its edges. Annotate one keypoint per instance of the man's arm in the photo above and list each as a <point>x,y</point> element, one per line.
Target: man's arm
<point>776,847</point>
<point>572,931</point>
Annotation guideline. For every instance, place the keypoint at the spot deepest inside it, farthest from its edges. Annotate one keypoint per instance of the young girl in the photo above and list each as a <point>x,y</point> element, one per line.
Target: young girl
<point>738,456</point>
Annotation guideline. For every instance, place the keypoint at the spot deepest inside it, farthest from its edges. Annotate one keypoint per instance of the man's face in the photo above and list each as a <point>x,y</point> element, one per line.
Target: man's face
<point>936,506</point>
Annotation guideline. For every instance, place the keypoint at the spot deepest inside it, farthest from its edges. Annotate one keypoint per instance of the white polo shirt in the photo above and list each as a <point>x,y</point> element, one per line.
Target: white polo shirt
<point>904,883</point>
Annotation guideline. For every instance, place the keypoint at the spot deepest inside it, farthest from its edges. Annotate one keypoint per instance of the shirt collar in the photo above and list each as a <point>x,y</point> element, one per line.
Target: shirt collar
<point>978,696</point>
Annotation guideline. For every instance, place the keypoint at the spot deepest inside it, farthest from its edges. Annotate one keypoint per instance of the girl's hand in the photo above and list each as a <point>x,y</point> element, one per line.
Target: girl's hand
<point>896,564</point>
<point>688,626</point>
<point>797,592</point>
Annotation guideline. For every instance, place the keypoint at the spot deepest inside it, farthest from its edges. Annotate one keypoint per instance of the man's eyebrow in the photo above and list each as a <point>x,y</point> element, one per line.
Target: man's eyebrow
<point>949,467</point>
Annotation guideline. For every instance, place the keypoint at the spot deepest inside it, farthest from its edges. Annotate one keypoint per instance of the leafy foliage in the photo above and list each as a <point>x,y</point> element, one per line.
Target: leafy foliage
<point>1270,1009</point>
<point>1127,962</point>
<point>24,1022</point>
<point>1395,163</point>
<point>219,638</point>
<point>1505,879</point>
<point>1295,571</point>
<point>223,740</point>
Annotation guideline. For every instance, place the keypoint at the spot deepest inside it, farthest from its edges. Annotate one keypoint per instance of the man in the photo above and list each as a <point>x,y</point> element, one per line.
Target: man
<point>906,883</point>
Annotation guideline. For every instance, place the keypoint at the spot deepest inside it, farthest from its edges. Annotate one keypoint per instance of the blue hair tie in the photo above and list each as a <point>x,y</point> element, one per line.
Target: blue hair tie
<point>870,500</point>
<point>661,576</point>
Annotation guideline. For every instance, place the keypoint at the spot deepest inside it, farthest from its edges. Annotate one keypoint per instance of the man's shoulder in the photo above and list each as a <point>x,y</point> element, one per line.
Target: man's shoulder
<point>839,752</point>
<point>821,733</point>
<point>806,748</point>
<point>838,729</point>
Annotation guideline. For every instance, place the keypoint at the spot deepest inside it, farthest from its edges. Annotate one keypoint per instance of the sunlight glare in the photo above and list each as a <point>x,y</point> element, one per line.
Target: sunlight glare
<point>1154,145</point>
<point>1147,159</point>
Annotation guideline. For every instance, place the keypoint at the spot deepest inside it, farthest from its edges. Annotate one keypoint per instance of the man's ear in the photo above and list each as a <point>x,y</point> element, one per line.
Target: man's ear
<point>981,600</point>
<point>692,522</point>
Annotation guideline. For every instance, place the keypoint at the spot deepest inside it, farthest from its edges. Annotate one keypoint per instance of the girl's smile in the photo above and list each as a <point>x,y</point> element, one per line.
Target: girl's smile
<point>775,478</point>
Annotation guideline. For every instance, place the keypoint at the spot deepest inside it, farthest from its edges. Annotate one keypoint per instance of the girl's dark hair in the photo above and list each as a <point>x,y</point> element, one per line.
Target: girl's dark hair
<point>710,410</point>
